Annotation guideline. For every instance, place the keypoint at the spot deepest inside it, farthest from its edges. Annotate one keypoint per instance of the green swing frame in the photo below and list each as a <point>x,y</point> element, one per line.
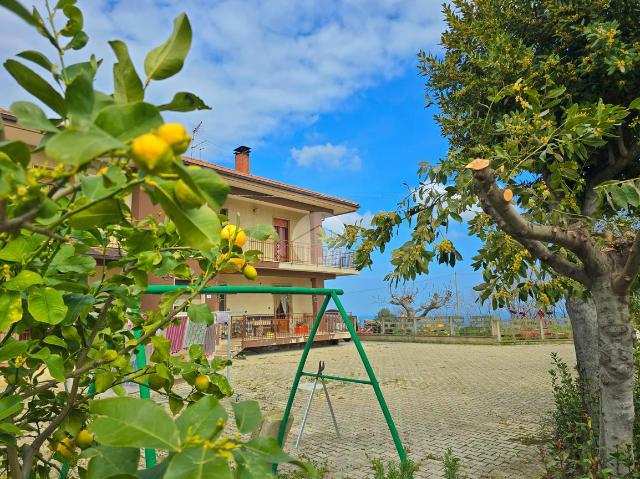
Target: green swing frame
<point>329,294</point>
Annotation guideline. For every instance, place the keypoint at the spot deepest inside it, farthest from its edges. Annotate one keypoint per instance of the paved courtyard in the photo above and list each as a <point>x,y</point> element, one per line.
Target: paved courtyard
<point>485,402</point>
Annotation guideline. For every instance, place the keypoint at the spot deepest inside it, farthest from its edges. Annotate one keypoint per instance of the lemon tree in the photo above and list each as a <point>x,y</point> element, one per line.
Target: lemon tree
<point>63,207</point>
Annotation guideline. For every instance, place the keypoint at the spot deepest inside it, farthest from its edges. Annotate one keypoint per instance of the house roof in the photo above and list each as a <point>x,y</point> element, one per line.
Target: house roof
<point>269,188</point>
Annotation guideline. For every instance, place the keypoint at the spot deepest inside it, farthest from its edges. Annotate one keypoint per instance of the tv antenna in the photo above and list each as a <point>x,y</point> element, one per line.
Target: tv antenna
<point>197,146</point>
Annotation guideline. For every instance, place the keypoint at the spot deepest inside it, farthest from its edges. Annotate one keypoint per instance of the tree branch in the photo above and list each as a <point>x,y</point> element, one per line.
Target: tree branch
<point>518,226</point>
<point>623,281</point>
<point>537,249</point>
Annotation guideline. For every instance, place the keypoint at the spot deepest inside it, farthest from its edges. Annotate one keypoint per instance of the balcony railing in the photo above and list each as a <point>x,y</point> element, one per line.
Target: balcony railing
<point>302,253</point>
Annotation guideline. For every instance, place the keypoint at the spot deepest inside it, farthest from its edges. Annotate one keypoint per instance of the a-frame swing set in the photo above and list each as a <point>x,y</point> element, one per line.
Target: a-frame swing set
<point>329,294</point>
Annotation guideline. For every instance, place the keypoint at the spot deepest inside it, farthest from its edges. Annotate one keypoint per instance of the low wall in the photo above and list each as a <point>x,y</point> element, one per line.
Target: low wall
<point>451,339</point>
<point>429,339</point>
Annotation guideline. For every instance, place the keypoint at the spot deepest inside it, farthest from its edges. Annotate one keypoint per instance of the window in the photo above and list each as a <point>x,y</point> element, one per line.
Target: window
<point>281,247</point>
<point>222,301</point>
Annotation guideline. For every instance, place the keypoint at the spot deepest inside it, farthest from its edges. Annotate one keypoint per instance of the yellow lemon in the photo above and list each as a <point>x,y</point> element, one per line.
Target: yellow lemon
<point>201,383</point>
<point>66,447</point>
<point>239,262</point>
<point>176,136</point>
<point>229,232</point>
<point>84,439</point>
<point>250,272</point>
<point>151,153</point>
<point>186,196</point>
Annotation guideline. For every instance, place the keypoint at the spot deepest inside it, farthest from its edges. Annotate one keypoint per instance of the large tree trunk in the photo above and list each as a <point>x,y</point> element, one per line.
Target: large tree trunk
<point>616,366</point>
<point>584,323</point>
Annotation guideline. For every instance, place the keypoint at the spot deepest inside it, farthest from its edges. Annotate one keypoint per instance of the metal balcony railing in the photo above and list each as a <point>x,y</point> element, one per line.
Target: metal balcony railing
<point>285,251</point>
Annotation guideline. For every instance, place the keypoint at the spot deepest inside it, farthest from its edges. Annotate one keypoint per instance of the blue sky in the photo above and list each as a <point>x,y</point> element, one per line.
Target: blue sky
<point>327,94</point>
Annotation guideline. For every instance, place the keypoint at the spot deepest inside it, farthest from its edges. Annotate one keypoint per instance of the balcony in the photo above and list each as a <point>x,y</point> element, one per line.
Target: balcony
<point>295,253</point>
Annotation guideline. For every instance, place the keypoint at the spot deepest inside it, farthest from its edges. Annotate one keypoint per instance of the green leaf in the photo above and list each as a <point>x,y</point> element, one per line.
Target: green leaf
<point>38,58</point>
<point>262,232</point>
<point>79,97</point>
<point>46,305</point>
<point>198,463</point>
<point>31,116</point>
<point>55,341</point>
<point>10,310</point>
<point>18,249</point>
<point>74,21</point>
<point>13,348</point>
<point>212,187</point>
<point>104,380</point>
<point>251,466</point>
<point>130,422</point>
<point>222,384</point>
<point>126,82</point>
<point>76,146</point>
<point>17,151</point>
<point>161,348</point>
<point>184,101</point>
<point>104,213</point>
<point>167,59</point>
<point>78,41</point>
<point>108,462</point>
<point>55,365</point>
<point>201,418</point>
<point>247,415</point>
<point>268,449</point>
<point>632,194</point>
<point>635,104</point>
<point>197,227</point>
<point>129,121</point>
<point>10,406</point>
<point>17,8</point>
<point>23,280</point>
<point>200,313</point>
<point>618,196</point>
<point>36,86</point>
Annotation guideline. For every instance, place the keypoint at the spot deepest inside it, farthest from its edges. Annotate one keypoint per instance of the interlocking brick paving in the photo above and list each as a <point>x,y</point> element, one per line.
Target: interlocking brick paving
<point>485,402</point>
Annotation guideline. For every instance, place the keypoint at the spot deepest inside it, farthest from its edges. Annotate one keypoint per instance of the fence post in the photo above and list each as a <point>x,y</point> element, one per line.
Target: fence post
<point>541,328</point>
<point>451,332</point>
<point>498,329</point>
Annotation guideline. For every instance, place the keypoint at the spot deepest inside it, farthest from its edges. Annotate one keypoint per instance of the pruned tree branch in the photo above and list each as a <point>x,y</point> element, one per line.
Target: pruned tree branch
<point>492,199</point>
<point>537,249</point>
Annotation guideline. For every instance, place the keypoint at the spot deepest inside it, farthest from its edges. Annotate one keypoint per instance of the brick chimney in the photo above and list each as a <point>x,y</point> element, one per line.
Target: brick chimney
<point>242,159</point>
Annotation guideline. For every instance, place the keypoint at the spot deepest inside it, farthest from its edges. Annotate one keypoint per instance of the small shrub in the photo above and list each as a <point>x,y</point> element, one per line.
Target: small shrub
<point>451,465</point>
<point>393,470</point>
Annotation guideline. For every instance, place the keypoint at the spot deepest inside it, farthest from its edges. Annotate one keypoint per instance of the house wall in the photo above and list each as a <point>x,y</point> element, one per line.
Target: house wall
<point>254,212</point>
<point>264,303</point>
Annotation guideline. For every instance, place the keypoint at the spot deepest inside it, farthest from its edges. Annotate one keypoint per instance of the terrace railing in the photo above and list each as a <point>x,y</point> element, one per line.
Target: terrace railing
<point>285,251</point>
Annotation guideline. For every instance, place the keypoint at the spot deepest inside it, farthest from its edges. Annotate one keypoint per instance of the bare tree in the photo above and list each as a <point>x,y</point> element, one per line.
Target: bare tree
<point>406,300</point>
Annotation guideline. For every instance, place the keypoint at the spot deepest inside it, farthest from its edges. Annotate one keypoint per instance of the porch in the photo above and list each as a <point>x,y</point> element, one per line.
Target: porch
<point>300,253</point>
<point>255,331</point>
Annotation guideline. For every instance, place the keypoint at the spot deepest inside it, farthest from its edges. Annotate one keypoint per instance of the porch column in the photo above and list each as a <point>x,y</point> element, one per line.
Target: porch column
<point>315,300</point>
<point>315,231</point>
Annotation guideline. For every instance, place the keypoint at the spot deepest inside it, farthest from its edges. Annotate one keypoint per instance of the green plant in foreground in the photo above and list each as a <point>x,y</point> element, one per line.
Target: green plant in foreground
<point>572,451</point>
<point>64,204</point>
<point>393,470</point>
<point>451,465</point>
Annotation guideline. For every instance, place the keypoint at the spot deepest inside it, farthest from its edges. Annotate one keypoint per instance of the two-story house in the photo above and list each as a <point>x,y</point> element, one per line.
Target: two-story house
<point>299,258</point>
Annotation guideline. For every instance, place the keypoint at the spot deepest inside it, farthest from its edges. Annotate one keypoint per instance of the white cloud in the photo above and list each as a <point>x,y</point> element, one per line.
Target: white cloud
<point>327,156</point>
<point>336,224</point>
<point>264,67</point>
